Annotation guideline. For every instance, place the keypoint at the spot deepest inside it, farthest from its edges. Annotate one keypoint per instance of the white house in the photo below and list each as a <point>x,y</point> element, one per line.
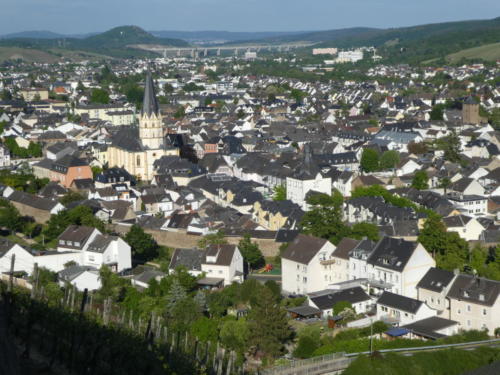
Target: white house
<point>467,227</point>
<point>326,299</point>
<point>81,277</point>
<point>306,265</point>
<point>400,310</point>
<point>222,263</point>
<point>399,263</point>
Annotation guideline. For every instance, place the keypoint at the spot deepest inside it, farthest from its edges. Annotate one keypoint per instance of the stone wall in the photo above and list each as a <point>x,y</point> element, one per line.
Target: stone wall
<point>40,216</point>
<point>183,240</point>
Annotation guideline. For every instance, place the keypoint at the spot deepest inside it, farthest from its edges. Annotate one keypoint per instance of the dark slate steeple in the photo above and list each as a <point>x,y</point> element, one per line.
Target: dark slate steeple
<point>150,104</point>
<point>308,169</point>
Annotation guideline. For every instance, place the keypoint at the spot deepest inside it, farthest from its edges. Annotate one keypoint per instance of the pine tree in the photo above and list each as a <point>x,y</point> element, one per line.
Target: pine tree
<point>201,300</point>
<point>176,294</point>
<point>268,324</point>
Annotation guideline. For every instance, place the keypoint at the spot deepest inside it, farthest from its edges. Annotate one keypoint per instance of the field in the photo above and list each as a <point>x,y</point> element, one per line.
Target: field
<point>489,52</point>
<point>49,56</point>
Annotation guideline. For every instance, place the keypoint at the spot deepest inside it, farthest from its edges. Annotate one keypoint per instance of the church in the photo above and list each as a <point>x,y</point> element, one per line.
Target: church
<point>137,148</point>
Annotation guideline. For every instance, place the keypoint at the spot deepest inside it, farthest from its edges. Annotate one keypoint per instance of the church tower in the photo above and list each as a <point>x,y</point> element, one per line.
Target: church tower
<point>150,121</point>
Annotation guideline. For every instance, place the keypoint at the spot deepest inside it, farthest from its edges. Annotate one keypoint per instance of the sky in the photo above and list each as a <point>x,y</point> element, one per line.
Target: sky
<point>83,16</point>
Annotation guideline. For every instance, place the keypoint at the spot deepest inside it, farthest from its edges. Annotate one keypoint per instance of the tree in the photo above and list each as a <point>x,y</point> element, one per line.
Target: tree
<point>417,148</point>
<point>111,283</point>
<point>437,112</point>
<point>176,294</point>
<point>420,180</point>
<point>279,193</point>
<point>96,171</point>
<point>144,246</point>
<point>234,335</point>
<point>180,113</point>
<point>340,306</point>
<point>5,95</point>
<point>9,216</point>
<point>251,252</point>
<point>297,95</point>
<point>80,87</point>
<point>324,219</point>
<point>389,159</point>
<point>451,147</point>
<point>268,324</point>
<point>80,215</point>
<point>432,236</point>
<point>99,96</point>
<point>361,230</point>
<point>445,183</point>
<point>71,196</point>
<point>369,160</point>
<point>212,239</point>
<point>309,341</point>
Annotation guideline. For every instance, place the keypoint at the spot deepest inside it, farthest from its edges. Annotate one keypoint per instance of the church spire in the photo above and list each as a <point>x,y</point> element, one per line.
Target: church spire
<point>150,104</point>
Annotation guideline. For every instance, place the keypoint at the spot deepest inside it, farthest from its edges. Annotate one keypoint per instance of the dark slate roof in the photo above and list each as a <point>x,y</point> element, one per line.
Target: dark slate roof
<point>428,327</point>
<point>436,279</point>
<point>189,258</point>
<point>100,243</point>
<point>392,253</point>
<point>32,200</point>
<point>223,253</point>
<point>5,245</point>
<point>344,247</point>
<point>308,170</point>
<point>399,302</point>
<point>76,234</point>
<point>475,289</point>
<point>327,300</point>
<point>303,248</point>
<point>285,235</point>
<point>73,272</point>
<point>53,189</point>
<point>127,138</point>
<point>456,221</point>
<point>150,103</point>
<point>147,275</point>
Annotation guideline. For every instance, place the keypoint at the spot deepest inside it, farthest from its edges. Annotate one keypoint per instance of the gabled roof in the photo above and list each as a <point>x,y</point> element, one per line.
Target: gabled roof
<point>392,253</point>
<point>75,236</point>
<point>327,300</point>
<point>303,248</point>
<point>436,280</point>
<point>344,247</point>
<point>475,289</point>
<point>189,258</point>
<point>399,302</point>
<point>71,273</point>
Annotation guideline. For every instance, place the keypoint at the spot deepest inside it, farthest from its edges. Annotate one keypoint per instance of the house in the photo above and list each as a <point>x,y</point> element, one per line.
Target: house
<point>338,265</point>
<point>221,262</point>
<point>400,263</point>
<point>432,328</point>
<point>112,176</point>
<point>65,170</point>
<point>470,204</point>
<point>474,303</point>
<point>305,265</point>
<point>466,186</point>
<point>307,177</point>
<point>433,289</point>
<point>275,215</point>
<point>399,310</point>
<point>324,300</point>
<point>33,205</point>
<point>467,227</point>
<point>143,279</point>
<point>25,259</point>
<point>81,277</point>
<point>4,157</point>
<point>96,249</point>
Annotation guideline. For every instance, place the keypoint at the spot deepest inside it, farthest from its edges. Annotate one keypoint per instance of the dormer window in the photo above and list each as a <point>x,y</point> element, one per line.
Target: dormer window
<point>61,242</point>
<point>77,243</point>
<point>481,297</point>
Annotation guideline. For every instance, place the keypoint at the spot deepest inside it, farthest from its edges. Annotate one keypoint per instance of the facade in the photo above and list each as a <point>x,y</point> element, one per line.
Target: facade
<point>64,170</point>
<point>305,265</point>
<point>4,157</point>
<point>34,94</point>
<point>136,149</point>
<point>399,310</point>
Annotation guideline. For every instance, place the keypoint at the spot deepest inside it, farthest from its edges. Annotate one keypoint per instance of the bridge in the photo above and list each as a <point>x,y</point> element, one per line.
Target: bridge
<point>337,362</point>
<point>205,51</point>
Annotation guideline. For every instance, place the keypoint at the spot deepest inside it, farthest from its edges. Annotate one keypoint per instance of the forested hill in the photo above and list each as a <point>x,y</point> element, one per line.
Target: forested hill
<point>116,42</point>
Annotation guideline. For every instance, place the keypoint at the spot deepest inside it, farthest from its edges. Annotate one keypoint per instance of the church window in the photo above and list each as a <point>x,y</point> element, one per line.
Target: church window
<point>138,163</point>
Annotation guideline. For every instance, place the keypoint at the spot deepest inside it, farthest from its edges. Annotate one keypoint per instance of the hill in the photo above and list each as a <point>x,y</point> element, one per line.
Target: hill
<point>408,44</point>
<point>213,36</point>
<point>117,42</point>
<point>488,52</point>
<point>35,34</point>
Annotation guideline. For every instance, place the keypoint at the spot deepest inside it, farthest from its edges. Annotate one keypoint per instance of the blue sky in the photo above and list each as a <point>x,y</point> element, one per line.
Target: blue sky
<point>80,16</point>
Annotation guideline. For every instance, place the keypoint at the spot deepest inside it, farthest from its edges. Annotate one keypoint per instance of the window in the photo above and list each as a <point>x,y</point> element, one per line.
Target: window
<point>468,308</point>
<point>91,258</point>
<point>484,312</point>
<point>304,279</point>
<point>458,312</point>
<point>468,323</point>
<point>138,162</point>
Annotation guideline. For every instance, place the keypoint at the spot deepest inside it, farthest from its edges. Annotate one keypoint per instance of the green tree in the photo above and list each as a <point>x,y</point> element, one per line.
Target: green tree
<point>445,183</point>
<point>309,341</point>
<point>297,95</point>
<point>451,147</point>
<point>5,95</point>
<point>251,252</point>
<point>389,159</point>
<point>111,283</point>
<point>420,180</point>
<point>368,230</point>
<point>99,96</point>
<point>80,87</point>
<point>180,113</point>
<point>71,196</point>
<point>10,218</point>
<point>80,215</point>
<point>96,171</point>
<point>268,324</point>
<point>144,246</point>
<point>340,306</point>
<point>279,193</point>
<point>437,112</point>
<point>324,219</point>
<point>234,335</point>
<point>212,239</point>
<point>369,160</point>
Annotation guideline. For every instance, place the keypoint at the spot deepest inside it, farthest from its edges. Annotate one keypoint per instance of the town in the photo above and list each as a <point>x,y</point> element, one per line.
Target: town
<point>280,204</point>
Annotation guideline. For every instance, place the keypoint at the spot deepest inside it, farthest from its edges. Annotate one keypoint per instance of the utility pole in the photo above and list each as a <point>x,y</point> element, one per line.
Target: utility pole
<point>371,336</point>
<point>11,274</point>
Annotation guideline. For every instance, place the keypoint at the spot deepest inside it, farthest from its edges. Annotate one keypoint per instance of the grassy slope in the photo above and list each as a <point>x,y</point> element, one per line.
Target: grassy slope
<point>47,56</point>
<point>489,52</point>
